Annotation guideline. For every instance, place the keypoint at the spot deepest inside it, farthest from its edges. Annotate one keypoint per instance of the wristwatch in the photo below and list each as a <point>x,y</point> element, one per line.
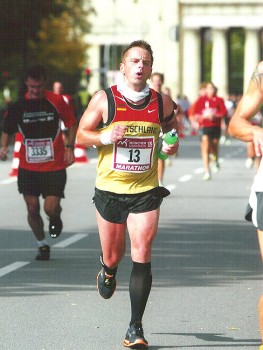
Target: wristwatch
<point>70,146</point>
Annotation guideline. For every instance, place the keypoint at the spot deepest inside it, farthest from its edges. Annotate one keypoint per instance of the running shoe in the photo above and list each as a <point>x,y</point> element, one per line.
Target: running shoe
<point>55,226</point>
<point>215,167</point>
<point>134,337</point>
<point>249,163</point>
<point>206,176</point>
<point>212,157</point>
<point>106,284</point>
<point>222,140</point>
<point>43,253</point>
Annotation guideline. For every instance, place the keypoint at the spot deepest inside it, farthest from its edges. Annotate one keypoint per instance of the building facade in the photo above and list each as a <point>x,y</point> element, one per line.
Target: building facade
<point>177,31</point>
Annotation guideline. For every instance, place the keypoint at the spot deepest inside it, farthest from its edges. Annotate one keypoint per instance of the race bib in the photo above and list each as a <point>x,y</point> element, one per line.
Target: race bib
<point>133,154</point>
<point>39,150</point>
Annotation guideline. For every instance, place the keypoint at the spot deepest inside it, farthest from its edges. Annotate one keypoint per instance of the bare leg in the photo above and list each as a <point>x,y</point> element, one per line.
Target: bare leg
<point>142,230</point>
<point>112,239</point>
<point>161,166</point>
<point>205,152</point>
<point>251,150</point>
<point>257,163</point>
<point>52,206</point>
<point>215,147</point>
<point>34,219</point>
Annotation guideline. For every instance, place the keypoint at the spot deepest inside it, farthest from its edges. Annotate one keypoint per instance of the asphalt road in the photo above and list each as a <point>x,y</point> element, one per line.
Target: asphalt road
<point>207,272</point>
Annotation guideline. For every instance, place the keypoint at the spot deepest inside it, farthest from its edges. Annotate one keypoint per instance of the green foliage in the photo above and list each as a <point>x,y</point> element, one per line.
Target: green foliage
<point>58,46</point>
<point>236,59</point>
<point>50,32</point>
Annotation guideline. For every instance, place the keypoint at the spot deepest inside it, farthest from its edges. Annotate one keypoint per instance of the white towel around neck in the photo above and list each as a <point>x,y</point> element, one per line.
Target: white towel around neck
<point>132,95</point>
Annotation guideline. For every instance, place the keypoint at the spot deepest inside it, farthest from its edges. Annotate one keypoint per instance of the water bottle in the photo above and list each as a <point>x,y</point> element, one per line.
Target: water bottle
<point>170,138</point>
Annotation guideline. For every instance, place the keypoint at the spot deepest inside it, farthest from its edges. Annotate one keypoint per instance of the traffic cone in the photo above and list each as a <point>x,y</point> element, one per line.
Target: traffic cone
<point>181,135</point>
<point>16,156</point>
<point>80,154</point>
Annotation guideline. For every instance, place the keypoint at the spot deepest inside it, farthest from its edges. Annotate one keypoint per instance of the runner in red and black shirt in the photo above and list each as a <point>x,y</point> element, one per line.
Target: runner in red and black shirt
<point>209,110</point>
<point>43,155</point>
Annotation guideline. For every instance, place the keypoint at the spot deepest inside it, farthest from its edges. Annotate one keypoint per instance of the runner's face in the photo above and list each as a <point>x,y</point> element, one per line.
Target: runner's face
<point>157,83</point>
<point>35,88</point>
<point>210,90</point>
<point>137,68</point>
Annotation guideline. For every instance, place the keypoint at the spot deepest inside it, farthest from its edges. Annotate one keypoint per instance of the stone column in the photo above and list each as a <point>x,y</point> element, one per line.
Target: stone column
<point>94,59</point>
<point>191,62</point>
<point>251,54</point>
<point>219,69</point>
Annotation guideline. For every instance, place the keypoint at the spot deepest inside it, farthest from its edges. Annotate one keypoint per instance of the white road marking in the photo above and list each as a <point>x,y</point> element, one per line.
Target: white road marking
<point>199,171</point>
<point>8,181</point>
<point>93,160</point>
<point>170,187</point>
<point>12,267</point>
<point>185,178</point>
<point>70,240</point>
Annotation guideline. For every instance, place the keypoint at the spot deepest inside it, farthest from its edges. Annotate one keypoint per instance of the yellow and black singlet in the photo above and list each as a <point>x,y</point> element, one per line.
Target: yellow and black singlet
<point>130,166</point>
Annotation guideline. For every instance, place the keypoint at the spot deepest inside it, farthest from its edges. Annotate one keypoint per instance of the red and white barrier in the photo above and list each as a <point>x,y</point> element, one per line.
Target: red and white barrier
<point>16,157</point>
<point>80,154</point>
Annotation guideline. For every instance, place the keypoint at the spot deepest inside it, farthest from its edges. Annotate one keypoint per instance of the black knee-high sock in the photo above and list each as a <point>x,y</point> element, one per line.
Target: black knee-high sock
<point>140,287</point>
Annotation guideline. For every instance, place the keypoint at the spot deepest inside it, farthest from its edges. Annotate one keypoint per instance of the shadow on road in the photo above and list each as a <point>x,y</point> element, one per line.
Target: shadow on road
<point>206,253</point>
<point>214,338</point>
<point>193,253</point>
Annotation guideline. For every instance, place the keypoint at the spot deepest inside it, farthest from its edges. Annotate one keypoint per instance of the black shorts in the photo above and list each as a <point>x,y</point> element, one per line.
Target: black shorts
<point>51,183</point>
<point>115,208</point>
<point>227,121</point>
<point>212,132</point>
<point>255,214</point>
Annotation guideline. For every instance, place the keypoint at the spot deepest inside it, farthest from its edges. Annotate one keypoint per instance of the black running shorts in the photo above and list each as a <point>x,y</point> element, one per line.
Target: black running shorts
<point>255,214</point>
<point>212,132</point>
<point>36,183</point>
<point>115,208</point>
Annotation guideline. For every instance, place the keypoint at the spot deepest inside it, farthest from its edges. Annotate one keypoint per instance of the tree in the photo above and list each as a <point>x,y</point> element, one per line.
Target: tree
<point>50,32</point>
<point>58,48</point>
<point>19,20</point>
<point>60,39</point>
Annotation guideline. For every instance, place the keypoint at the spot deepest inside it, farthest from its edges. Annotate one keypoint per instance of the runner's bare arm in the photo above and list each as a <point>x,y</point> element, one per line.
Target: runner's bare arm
<point>240,126</point>
<point>171,123</point>
<point>168,109</point>
<point>69,150</point>
<point>96,112</point>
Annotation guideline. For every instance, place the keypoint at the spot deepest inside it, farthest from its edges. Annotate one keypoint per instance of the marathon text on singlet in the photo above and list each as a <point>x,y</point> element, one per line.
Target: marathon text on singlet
<point>133,154</point>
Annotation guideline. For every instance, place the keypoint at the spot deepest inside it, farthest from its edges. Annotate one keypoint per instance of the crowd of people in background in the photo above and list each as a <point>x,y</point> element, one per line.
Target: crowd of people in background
<point>192,121</point>
<point>208,118</point>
